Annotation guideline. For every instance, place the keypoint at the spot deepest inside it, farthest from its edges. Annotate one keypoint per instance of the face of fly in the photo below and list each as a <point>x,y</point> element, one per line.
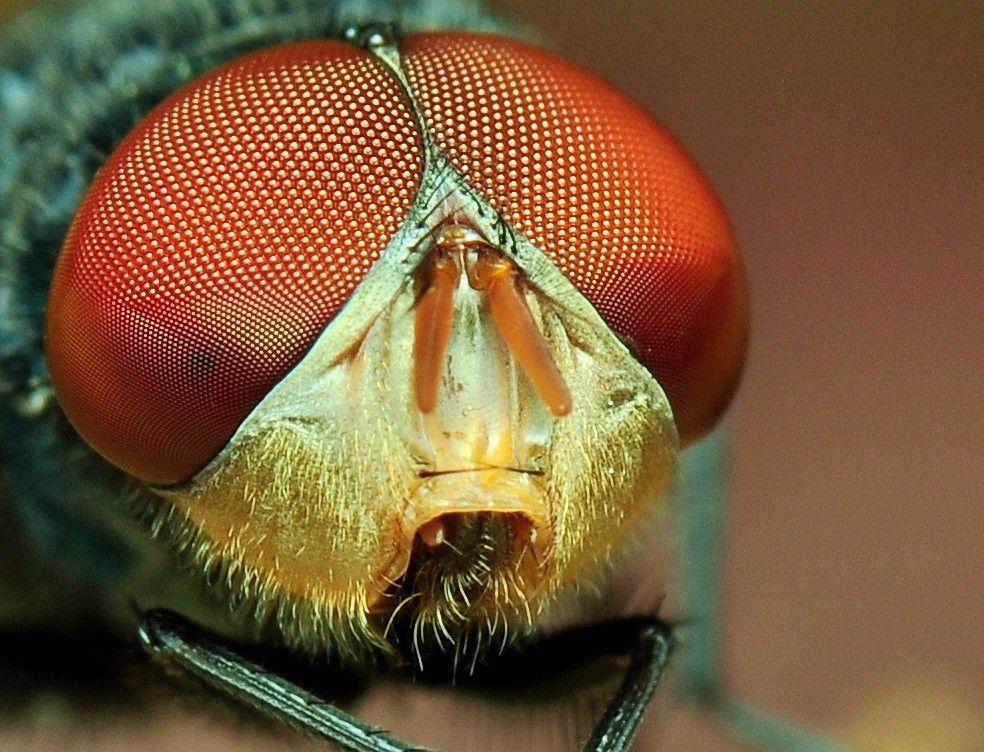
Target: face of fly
<point>407,375</point>
<point>465,443</point>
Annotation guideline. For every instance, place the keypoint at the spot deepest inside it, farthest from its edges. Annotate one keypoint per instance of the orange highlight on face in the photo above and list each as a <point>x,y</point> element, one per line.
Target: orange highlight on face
<point>432,330</point>
<point>499,277</point>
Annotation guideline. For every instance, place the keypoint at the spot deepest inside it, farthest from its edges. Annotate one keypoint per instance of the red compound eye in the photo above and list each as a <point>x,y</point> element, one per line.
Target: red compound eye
<point>607,193</point>
<point>218,241</point>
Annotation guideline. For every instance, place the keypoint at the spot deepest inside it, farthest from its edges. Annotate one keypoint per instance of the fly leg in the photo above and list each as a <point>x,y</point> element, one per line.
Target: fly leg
<point>618,725</point>
<point>172,640</point>
<point>699,664</point>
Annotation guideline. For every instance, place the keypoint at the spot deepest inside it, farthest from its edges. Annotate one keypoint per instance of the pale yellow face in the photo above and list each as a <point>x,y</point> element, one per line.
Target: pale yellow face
<point>366,512</point>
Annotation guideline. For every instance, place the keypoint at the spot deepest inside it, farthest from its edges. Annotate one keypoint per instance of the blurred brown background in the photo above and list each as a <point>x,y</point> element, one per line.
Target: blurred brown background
<point>846,142</point>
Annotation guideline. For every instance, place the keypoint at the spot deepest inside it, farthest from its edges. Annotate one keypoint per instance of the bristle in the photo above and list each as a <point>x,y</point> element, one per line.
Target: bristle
<point>340,631</point>
<point>468,601</point>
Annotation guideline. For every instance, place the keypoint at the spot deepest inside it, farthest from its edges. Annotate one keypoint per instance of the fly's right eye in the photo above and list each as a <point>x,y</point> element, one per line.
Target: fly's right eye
<point>607,194</point>
<point>218,241</point>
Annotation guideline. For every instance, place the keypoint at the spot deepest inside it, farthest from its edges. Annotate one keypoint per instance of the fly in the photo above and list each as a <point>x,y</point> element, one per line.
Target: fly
<point>393,333</point>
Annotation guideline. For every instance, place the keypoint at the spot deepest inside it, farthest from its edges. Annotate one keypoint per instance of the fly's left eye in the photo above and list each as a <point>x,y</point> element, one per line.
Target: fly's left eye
<point>218,241</point>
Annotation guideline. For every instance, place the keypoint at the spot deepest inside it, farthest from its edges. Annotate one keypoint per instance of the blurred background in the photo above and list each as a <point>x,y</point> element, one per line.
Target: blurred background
<point>845,141</point>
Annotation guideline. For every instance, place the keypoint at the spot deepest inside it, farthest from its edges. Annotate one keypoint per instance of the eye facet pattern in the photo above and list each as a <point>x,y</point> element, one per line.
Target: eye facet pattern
<point>216,244</point>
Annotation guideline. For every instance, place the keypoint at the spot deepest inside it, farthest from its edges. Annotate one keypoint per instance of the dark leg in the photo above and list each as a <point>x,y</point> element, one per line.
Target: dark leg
<point>171,640</point>
<point>618,726</point>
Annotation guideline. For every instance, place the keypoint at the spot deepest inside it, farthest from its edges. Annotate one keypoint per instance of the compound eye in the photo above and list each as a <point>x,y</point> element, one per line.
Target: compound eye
<point>217,242</point>
<point>607,194</point>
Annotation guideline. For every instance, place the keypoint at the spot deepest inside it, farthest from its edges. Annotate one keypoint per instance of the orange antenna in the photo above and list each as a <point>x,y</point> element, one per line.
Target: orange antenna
<point>432,330</point>
<point>499,277</point>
